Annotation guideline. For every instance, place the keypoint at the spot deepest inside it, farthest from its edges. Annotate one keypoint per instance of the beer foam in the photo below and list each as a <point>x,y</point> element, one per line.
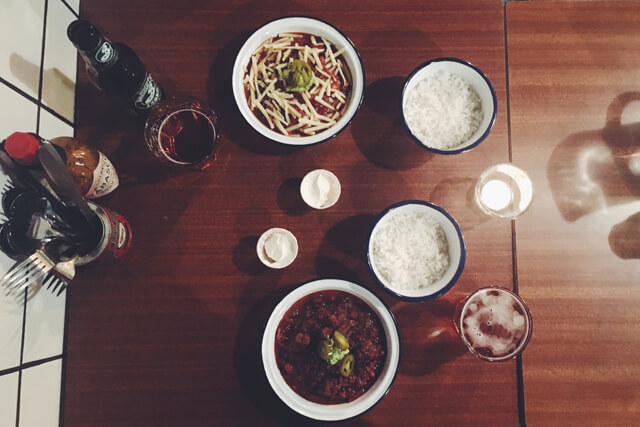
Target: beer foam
<point>492,323</point>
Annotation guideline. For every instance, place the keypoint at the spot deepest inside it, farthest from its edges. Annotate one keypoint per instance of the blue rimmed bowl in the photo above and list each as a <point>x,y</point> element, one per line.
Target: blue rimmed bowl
<point>456,250</point>
<point>299,24</point>
<point>475,78</point>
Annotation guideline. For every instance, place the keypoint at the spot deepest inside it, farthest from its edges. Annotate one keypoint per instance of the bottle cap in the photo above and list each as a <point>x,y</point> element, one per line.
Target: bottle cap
<point>83,35</point>
<point>23,147</point>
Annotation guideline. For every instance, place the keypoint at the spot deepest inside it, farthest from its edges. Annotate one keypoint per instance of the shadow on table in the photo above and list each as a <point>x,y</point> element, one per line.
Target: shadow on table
<point>350,235</point>
<point>245,258</point>
<point>379,132</point>
<point>289,198</point>
<point>247,231</point>
<point>432,340</point>
<point>346,237</point>
<point>249,369</point>
<point>624,238</point>
<point>593,170</point>
<point>444,190</point>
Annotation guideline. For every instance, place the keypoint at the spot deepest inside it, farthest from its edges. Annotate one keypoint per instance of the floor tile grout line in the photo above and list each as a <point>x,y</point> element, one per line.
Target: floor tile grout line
<point>32,364</point>
<point>57,115</point>
<point>18,90</point>
<point>41,76</point>
<point>22,339</point>
<point>63,370</point>
<point>26,291</point>
<point>70,8</point>
<point>18,398</point>
<point>514,250</point>
<point>35,101</point>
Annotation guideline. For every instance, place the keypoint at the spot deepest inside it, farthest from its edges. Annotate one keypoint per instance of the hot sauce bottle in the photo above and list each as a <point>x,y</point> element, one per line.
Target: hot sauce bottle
<point>91,170</point>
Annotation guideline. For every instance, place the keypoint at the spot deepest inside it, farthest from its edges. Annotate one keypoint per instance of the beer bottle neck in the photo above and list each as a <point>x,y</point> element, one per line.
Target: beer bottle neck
<point>96,50</point>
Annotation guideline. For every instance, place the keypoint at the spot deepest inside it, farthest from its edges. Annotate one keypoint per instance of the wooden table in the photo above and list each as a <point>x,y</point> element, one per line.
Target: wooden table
<point>171,334</point>
<point>574,92</point>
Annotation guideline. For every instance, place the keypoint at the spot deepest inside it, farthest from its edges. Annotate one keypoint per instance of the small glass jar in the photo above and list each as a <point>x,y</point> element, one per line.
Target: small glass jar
<point>182,130</point>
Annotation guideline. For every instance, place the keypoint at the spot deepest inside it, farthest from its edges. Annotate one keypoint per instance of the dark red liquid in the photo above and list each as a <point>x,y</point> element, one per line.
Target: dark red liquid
<point>187,137</point>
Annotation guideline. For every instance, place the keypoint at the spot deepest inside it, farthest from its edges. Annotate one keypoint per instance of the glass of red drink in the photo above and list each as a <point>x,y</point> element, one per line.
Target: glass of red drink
<point>182,130</point>
<point>494,323</point>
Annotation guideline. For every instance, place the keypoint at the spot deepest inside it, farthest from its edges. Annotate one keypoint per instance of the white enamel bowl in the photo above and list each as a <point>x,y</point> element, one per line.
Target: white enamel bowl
<point>475,78</point>
<point>299,24</point>
<point>455,240</point>
<point>340,411</point>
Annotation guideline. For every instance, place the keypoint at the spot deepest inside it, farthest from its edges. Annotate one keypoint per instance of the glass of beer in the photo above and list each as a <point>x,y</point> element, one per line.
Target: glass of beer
<point>494,323</point>
<point>182,130</point>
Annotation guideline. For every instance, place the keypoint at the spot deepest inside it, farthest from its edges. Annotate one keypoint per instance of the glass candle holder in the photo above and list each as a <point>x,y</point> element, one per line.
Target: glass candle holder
<point>504,191</point>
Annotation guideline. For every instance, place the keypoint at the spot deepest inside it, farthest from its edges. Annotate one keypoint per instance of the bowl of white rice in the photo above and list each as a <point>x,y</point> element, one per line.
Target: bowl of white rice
<point>415,250</point>
<point>448,105</point>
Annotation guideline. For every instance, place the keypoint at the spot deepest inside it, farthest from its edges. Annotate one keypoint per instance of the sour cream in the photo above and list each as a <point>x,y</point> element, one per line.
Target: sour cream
<point>320,189</point>
<point>277,248</point>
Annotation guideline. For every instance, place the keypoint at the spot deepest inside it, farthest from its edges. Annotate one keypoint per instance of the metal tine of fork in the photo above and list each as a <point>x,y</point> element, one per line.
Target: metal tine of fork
<point>49,279</point>
<point>24,270</point>
<point>62,288</point>
<point>35,271</point>
<point>59,283</point>
<point>29,279</point>
<point>8,186</point>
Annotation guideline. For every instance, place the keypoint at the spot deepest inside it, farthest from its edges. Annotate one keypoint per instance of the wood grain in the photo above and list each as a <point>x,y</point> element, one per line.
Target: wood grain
<point>573,84</point>
<point>170,335</point>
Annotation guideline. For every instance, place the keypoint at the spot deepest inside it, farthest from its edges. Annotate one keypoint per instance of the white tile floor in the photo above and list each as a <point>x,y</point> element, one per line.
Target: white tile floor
<point>32,336</point>
<point>51,126</point>
<point>9,399</point>
<point>40,395</point>
<point>21,43</point>
<point>59,69</point>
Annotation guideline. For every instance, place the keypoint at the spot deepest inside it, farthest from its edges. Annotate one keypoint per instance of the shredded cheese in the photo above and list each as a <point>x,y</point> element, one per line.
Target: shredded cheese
<point>302,113</point>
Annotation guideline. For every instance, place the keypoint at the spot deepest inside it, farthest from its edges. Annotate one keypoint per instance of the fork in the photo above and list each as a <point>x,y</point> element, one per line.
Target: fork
<point>30,270</point>
<point>61,275</point>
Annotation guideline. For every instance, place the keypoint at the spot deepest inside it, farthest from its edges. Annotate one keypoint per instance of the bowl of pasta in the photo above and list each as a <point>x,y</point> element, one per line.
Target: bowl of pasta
<point>298,80</point>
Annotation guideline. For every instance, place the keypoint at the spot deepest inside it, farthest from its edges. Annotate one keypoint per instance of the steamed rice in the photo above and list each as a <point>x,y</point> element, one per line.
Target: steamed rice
<point>443,111</point>
<point>410,250</point>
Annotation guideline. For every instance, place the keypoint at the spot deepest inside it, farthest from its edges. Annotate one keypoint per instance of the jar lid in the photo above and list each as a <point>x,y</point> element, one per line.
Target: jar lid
<point>23,147</point>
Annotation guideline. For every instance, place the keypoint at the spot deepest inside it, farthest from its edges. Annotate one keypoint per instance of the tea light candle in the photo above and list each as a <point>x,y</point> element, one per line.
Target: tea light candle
<point>496,194</point>
<point>504,191</point>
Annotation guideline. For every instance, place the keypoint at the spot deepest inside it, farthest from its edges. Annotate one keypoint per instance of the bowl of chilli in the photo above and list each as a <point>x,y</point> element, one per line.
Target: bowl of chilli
<point>416,250</point>
<point>331,350</point>
<point>298,80</point>
<point>448,105</point>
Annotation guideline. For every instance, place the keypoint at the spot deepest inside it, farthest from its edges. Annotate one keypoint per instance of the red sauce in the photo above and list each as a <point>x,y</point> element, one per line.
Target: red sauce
<point>310,320</point>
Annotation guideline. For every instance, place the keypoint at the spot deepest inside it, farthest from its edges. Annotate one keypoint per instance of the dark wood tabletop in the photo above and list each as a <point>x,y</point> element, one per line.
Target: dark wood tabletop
<point>171,334</point>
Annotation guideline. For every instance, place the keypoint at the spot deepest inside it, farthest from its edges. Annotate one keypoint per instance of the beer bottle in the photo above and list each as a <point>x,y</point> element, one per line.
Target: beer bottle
<point>115,68</point>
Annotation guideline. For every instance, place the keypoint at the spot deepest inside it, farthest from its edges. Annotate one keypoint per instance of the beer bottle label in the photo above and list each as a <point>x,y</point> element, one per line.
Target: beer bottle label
<point>105,53</point>
<point>105,178</point>
<point>148,95</point>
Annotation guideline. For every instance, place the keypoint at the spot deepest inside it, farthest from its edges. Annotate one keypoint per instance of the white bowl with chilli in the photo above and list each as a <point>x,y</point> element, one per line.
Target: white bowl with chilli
<point>331,350</point>
<point>448,105</point>
<point>416,250</point>
<point>298,80</point>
